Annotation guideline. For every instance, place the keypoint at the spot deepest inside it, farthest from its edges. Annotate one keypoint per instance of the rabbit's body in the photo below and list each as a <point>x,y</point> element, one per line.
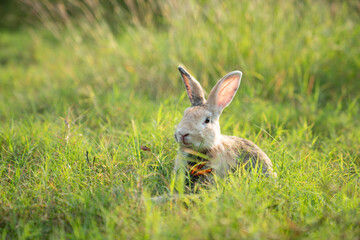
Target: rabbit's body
<point>199,131</point>
<point>231,153</point>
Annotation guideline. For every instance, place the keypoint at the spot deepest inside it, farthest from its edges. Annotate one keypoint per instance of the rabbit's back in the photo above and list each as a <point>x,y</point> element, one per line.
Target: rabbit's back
<point>237,151</point>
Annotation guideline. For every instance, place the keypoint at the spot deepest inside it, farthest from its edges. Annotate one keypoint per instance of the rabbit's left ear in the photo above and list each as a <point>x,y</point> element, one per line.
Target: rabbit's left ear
<point>193,88</point>
<point>224,91</point>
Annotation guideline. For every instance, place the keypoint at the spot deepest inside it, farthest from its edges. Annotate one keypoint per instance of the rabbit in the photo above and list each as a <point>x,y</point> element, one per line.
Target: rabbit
<point>199,137</point>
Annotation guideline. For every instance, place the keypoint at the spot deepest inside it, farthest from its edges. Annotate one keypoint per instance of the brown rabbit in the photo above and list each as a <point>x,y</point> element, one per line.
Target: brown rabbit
<point>199,137</point>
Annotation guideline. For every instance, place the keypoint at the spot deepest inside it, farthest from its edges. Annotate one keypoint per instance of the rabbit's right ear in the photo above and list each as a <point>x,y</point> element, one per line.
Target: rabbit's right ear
<point>193,88</point>
<point>224,91</point>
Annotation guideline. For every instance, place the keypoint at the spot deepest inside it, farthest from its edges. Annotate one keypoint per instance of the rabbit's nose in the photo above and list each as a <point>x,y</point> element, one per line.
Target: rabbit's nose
<point>184,135</point>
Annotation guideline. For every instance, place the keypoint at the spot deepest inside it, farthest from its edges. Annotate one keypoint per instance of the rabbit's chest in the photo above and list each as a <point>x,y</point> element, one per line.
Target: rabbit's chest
<point>201,168</point>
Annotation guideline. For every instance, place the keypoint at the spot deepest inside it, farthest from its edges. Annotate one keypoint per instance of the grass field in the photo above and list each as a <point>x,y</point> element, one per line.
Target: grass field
<point>80,95</point>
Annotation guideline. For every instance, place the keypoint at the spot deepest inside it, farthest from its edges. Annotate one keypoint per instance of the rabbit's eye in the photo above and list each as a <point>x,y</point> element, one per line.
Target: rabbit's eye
<point>207,120</point>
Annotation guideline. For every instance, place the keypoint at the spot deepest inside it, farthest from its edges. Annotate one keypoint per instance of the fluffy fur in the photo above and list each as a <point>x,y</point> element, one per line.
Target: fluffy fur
<point>200,130</point>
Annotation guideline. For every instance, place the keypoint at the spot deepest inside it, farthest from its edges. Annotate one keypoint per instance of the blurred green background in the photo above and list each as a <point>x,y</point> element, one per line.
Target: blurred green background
<point>85,84</point>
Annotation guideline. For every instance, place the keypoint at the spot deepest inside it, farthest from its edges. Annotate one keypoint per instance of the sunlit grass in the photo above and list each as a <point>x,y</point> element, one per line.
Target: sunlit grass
<point>79,98</point>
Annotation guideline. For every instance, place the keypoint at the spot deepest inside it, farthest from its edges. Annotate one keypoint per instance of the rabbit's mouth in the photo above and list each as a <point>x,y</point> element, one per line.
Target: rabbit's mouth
<point>184,141</point>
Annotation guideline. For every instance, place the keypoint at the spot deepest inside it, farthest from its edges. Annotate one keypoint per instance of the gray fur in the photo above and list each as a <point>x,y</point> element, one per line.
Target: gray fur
<point>225,152</point>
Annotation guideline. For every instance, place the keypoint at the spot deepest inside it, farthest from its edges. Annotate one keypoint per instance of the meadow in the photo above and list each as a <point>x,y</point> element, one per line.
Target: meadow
<point>85,85</point>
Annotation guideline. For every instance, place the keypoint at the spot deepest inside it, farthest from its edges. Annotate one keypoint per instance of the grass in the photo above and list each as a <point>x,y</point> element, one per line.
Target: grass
<point>80,96</point>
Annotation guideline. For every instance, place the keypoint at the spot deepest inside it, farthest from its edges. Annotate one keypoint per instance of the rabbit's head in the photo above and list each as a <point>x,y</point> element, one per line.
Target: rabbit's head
<point>199,129</point>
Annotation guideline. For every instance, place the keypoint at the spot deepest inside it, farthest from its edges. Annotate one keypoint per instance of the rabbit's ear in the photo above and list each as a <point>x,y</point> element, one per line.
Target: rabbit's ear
<point>224,91</point>
<point>193,88</point>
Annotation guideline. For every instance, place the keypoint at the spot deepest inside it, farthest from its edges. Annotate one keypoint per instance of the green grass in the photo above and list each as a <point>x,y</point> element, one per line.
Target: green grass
<point>79,97</point>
